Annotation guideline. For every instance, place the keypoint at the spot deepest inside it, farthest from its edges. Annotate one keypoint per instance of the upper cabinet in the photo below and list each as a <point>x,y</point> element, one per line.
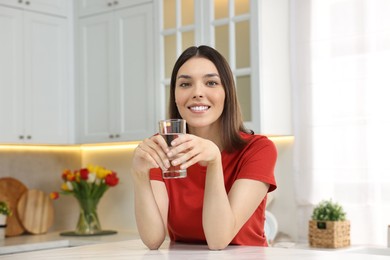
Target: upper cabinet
<point>34,100</point>
<point>241,31</point>
<point>91,7</point>
<point>116,98</point>
<point>54,7</point>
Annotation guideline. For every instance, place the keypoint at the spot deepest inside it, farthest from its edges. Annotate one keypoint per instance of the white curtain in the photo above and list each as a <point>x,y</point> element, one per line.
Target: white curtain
<point>341,83</point>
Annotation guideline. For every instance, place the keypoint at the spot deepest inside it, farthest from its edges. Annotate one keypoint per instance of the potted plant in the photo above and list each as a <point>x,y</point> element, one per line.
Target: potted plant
<point>5,211</point>
<point>328,226</point>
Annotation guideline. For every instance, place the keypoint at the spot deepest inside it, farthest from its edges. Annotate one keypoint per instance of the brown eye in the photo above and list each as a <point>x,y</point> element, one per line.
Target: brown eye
<point>212,83</point>
<point>184,85</point>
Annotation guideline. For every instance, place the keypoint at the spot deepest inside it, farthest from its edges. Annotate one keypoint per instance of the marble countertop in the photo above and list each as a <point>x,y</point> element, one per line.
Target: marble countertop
<point>128,246</point>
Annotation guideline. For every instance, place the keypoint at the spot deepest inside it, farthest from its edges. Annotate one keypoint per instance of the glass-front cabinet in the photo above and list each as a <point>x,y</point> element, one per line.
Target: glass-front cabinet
<point>233,27</point>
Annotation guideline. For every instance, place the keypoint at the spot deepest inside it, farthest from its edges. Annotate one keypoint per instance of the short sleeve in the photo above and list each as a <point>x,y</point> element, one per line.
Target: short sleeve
<point>155,174</point>
<point>258,161</point>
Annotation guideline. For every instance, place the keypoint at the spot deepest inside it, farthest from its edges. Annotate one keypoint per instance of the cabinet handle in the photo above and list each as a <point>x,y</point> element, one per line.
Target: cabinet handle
<point>27,3</point>
<point>117,136</point>
<point>29,137</point>
<point>21,137</point>
<point>109,4</point>
<point>20,1</point>
<point>111,136</point>
<point>115,2</point>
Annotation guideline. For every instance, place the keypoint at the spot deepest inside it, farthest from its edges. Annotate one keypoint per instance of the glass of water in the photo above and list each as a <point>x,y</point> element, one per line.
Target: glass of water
<point>170,129</point>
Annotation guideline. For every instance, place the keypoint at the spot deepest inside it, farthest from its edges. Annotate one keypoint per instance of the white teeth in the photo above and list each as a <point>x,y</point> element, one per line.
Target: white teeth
<point>200,108</point>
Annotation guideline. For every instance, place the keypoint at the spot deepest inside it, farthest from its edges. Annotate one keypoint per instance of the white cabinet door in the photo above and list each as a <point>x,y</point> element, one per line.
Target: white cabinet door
<point>11,75</point>
<point>34,86</point>
<point>96,59</point>
<point>135,69</point>
<point>56,7</point>
<point>46,78</point>
<point>117,71</point>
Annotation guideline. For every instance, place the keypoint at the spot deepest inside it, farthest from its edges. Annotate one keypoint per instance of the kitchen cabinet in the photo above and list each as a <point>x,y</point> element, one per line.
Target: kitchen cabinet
<point>54,7</point>
<point>91,7</point>
<point>34,100</point>
<point>116,81</point>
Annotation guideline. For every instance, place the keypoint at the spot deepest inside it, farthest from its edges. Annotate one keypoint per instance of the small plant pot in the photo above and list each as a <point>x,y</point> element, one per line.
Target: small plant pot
<point>329,234</point>
<point>3,225</point>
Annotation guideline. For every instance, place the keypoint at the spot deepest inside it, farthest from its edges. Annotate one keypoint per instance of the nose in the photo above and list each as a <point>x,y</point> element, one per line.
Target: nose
<point>198,96</point>
<point>198,91</point>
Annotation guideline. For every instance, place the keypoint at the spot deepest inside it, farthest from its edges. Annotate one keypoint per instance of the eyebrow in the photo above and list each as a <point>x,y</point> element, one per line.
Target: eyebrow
<point>209,75</point>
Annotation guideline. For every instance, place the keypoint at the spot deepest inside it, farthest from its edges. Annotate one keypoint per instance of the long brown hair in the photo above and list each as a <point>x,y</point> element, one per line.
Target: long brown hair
<point>231,119</point>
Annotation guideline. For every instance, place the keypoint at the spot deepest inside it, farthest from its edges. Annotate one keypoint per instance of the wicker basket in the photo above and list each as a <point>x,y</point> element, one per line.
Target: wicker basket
<point>329,234</point>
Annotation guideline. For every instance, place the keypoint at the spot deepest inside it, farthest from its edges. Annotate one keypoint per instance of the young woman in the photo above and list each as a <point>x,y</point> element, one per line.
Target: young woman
<point>229,169</point>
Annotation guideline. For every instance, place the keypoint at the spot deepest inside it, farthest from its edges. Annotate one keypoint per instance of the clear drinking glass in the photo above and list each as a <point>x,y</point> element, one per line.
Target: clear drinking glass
<point>169,130</point>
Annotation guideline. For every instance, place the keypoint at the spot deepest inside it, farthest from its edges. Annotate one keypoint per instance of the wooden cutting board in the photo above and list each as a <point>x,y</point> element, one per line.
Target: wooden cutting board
<point>36,211</point>
<point>11,190</point>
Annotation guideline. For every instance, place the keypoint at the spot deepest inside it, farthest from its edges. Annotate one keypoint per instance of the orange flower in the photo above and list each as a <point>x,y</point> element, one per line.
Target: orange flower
<point>54,195</point>
<point>65,174</point>
<point>71,176</point>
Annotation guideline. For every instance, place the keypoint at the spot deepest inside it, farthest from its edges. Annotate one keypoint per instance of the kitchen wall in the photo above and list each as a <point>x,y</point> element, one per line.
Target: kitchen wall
<point>41,168</point>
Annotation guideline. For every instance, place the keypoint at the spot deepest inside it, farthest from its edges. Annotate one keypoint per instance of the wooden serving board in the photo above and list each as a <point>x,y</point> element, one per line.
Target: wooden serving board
<point>11,190</point>
<point>36,211</point>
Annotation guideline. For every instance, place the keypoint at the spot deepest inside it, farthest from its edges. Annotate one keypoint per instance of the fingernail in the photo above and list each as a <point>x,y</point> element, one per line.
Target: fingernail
<point>167,164</point>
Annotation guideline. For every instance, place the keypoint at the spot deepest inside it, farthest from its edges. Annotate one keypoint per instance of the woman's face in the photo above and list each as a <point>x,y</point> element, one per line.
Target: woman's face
<point>199,93</point>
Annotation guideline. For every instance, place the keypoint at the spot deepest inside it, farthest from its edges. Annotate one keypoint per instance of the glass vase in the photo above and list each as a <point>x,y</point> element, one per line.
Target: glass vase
<point>88,223</point>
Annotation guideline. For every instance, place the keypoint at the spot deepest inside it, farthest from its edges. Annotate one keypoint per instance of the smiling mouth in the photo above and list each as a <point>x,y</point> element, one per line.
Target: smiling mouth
<point>199,108</point>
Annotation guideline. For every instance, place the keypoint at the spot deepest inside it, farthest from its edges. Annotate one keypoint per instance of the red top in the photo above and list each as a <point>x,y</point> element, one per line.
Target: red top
<point>255,161</point>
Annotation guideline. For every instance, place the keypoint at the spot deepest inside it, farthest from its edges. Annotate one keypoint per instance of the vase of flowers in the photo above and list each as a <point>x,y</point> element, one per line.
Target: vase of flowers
<point>87,185</point>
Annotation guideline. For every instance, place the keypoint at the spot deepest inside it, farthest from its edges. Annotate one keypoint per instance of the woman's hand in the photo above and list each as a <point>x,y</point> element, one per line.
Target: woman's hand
<point>150,153</point>
<point>190,149</point>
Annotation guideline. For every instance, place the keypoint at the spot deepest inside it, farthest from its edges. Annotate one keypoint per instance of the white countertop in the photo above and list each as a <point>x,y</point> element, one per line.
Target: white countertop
<point>25,243</point>
<point>135,249</point>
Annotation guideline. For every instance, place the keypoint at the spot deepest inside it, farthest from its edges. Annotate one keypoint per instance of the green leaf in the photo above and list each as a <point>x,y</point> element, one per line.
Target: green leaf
<point>327,210</point>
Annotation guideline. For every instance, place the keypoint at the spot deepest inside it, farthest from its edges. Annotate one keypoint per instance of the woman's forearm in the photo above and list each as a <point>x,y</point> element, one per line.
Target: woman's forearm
<point>218,218</point>
<point>150,223</point>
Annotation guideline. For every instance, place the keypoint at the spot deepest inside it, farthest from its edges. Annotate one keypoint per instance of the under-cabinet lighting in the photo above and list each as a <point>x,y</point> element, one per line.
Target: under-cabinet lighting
<point>101,147</point>
<point>282,139</point>
<point>40,148</point>
<point>65,148</point>
<point>111,146</point>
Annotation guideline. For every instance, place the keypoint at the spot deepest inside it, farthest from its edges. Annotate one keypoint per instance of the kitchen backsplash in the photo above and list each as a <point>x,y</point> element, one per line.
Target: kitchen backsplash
<point>42,170</point>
